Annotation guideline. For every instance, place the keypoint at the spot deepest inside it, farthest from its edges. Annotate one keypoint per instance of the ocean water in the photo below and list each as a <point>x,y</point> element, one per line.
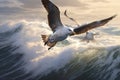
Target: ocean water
<point>23,55</point>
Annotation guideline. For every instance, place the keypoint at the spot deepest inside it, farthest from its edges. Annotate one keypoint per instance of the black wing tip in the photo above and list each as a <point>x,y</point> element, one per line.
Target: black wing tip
<point>45,2</point>
<point>113,16</point>
<point>65,13</point>
<point>108,19</point>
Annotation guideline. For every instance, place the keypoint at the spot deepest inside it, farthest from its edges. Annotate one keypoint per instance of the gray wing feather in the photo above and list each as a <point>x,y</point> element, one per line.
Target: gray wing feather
<point>53,14</point>
<point>95,24</point>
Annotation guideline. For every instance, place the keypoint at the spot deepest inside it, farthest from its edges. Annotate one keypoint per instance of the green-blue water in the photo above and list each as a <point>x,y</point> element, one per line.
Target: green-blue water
<point>95,63</point>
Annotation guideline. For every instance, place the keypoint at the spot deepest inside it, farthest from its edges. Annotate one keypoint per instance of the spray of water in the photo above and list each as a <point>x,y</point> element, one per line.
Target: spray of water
<point>38,59</point>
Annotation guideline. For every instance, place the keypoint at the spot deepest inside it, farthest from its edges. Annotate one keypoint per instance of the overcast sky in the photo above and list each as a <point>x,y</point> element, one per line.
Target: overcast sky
<point>79,9</point>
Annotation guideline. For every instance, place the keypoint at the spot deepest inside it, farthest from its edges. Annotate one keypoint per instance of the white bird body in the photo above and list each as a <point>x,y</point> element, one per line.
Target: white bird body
<point>60,34</point>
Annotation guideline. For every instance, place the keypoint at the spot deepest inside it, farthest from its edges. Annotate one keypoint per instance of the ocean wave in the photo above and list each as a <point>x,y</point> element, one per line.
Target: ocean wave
<point>23,55</point>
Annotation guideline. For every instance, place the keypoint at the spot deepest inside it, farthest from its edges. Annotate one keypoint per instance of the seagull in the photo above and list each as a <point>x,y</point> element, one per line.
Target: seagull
<point>60,31</point>
<point>90,36</point>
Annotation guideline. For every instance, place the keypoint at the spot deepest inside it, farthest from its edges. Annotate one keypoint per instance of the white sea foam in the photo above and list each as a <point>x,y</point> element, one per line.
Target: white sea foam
<point>36,55</point>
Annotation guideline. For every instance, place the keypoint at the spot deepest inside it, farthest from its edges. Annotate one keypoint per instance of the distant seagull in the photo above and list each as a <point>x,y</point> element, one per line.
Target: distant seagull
<point>90,36</point>
<point>60,31</point>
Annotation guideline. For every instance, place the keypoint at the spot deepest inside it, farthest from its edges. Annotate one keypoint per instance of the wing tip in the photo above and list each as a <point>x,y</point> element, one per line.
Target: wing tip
<point>65,12</point>
<point>44,2</point>
<point>114,15</point>
<point>108,19</point>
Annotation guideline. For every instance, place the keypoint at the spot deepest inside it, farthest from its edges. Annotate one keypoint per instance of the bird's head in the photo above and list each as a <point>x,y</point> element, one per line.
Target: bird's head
<point>68,30</point>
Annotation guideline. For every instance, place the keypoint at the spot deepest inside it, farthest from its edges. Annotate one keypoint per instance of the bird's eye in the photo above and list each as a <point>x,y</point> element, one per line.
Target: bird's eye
<point>69,29</point>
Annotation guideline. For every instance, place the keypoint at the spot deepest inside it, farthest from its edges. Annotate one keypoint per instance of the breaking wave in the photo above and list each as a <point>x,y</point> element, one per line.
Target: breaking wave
<point>23,55</point>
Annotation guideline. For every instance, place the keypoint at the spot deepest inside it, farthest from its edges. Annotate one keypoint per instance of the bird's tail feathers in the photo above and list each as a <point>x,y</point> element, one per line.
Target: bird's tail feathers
<point>45,38</point>
<point>46,42</point>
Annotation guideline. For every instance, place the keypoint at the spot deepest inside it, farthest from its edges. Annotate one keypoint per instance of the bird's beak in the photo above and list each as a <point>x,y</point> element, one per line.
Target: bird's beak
<point>72,33</point>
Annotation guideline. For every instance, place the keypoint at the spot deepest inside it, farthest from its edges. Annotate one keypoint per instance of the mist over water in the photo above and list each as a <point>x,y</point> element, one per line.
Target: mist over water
<point>23,55</point>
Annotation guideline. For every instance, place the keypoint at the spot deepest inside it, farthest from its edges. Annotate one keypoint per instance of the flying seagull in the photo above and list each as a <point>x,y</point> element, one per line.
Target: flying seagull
<point>90,36</point>
<point>60,31</point>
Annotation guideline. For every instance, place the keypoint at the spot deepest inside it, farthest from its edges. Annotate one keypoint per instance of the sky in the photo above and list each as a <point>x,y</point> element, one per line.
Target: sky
<point>81,10</point>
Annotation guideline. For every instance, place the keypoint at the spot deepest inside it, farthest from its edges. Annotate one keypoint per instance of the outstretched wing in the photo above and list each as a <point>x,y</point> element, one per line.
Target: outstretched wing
<point>53,14</point>
<point>95,24</point>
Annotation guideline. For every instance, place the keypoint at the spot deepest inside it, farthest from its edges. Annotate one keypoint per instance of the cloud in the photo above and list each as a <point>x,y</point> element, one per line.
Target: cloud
<point>38,4</point>
<point>8,7</point>
<point>31,3</point>
<point>33,9</point>
<point>87,1</point>
<point>99,0</point>
<point>74,3</point>
<point>10,3</point>
<point>9,10</point>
